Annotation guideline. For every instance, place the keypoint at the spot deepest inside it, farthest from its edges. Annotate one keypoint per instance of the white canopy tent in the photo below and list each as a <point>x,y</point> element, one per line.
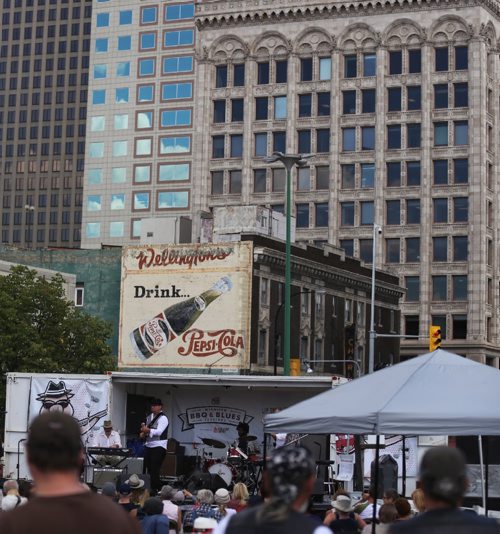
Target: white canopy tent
<point>439,393</point>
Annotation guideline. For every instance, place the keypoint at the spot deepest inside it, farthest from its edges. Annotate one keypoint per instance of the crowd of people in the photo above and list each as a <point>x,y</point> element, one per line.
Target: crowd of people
<point>59,503</point>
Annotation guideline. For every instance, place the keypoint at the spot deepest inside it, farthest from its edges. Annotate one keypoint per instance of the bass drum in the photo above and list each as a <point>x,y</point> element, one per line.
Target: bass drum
<point>225,471</point>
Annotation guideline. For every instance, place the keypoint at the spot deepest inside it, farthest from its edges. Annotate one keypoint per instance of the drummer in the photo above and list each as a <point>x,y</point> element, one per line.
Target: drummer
<point>245,442</point>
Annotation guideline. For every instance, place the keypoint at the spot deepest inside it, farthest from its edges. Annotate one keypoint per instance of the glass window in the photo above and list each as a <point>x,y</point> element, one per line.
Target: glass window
<point>413,211</point>
<point>306,67</point>
<point>305,105</point>
<point>121,121</point>
<point>303,178</point>
<point>124,42</point>
<point>349,102</point>
<point>261,144</point>
<point>439,289</point>
<point>279,142</point>
<point>236,146</point>
<point>367,175</point>
<point>323,100</point>
<point>413,173</point>
<point>394,136</point>
<point>325,68</point>
<point>440,134</point>
<point>367,138</point>
<point>369,64</point>
<point>461,58</point>
<point>149,15</point>
<point>412,284</point>
<point>281,71</point>
<point>237,110</point>
<point>393,212</point>
<point>323,140</point>
<point>145,93</point>
<point>392,250</point>
<point>143,147</point>
<point>142,173</point>
<point>101,45</point>
<point>94,176</point>
<point>94,202</point>
<point>178,38</point>
<point>350,66</point>
<point>414,97</point>
<point>412,249</point>
<point>460,287</point>
<point>263,73</point>
<point>98,96</point>
<point>440,210</point>
<point>97,123</point>
<point>170,172</point>
<point>123,68</point>
<point>136,228</point>
<point>348,246</point>
<point>117,201</point>
<point>218,146</point>
<point>368,100</point>
<point>413,135</point>
<point>279,179</point>
<point>460,209</point>
<point>147,41</point>
<point>441,95</point>
<point>440,249</point>
<point>221,76</point>
<point>141,201</point>
<point>102,20</point>
<point>125,17</point>
<point>459,326</point>
<point>239,75</point>
<point>100,71</point>
<point>367,212</point>
<point>147,66</point>
<point>394,98</point>
<point>93,230</point>
<point>440,167</point>
<point>460,248</point>
<point>96,150</point>
<point>348,139</point>
<point>217,183</point>
<point>173,199</point>
<point>441,58</point>
<point>348,176</point>
<point>414,61</point>
<point>119,148</point>
<point>178,117</point>
<point>302,215</point>
<point>116,229</point>
<point>395,62</point>
<point>304,141</point>
<point>366,250</point>
<point>235,182</point>
<point>179,12</point>
<point>461,92</point>
<point>121,95</point>
<point>322,177</point>
<point>347,213</point>
<point>259,181</point>
<point>172,65</point>
<point>461,132</point>
<point>219,111</point>
<point>461,171</point>
<point>118,175</point>
<point>321,214</point>
<point>175,91</point>
<point>175,145</point>
<point>261,108</point>
<point>280,107</point>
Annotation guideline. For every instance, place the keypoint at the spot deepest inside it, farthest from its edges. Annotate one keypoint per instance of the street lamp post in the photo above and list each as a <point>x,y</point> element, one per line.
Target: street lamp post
<point>29,209</point>
<point>289,161</point>
<point>377,230</point>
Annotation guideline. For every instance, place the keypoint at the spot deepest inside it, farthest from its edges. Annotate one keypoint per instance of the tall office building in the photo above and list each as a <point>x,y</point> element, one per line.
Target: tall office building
<point>44,55</point>
<point>140,121</point>
<point>399,105</point>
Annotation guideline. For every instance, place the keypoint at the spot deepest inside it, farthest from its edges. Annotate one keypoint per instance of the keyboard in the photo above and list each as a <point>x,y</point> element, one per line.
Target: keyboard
<point>109,451</point>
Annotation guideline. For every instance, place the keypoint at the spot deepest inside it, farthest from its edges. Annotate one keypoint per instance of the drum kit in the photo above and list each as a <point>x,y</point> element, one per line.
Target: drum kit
<point>236,466</point>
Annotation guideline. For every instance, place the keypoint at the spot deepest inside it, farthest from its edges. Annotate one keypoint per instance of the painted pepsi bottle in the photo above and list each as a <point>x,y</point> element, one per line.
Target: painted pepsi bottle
<point>155,334</point>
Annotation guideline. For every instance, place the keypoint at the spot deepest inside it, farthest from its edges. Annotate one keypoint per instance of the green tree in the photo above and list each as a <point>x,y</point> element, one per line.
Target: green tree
<point>42,332</point>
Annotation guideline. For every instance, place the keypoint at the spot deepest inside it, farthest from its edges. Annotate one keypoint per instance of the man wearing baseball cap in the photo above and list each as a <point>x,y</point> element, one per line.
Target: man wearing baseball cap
<point>443,480</point>
<point>154,431</point>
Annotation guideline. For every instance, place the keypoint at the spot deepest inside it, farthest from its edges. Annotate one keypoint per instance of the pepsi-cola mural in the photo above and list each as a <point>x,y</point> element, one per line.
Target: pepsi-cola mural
<point>186,306</point>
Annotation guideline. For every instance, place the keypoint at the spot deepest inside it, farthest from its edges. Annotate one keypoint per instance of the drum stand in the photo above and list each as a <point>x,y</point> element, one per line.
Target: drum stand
<point>251,475</point>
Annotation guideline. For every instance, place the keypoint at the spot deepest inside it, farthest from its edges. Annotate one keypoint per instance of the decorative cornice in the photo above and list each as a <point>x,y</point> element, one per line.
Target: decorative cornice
<point>230,13</point>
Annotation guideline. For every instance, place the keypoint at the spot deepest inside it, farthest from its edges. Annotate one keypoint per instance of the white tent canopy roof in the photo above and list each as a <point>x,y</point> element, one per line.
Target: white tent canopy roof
<point>439,393</point>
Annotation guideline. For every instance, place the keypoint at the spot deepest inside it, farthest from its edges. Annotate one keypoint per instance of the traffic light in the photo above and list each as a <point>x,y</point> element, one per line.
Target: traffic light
<point>434,337</point>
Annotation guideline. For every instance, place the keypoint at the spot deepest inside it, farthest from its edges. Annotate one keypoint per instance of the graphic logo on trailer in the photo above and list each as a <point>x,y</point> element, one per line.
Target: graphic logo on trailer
<point>213,414</point>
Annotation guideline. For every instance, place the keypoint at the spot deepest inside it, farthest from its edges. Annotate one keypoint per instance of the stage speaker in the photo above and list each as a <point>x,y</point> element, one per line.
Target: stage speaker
<point>205,481</point>
<point>103,475</point>
<point>133,465</point>
<point>172,466</point>
<point>137,410</point>
<point>147,481</point>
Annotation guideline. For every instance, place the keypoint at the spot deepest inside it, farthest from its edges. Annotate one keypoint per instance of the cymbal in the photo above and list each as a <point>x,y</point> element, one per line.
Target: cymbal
<point>251,438</point>
<point>213,443</point>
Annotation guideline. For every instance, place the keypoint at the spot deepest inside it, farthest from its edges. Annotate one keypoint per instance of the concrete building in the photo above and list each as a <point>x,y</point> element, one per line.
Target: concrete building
<point>44,60</point>
<point>398,102</point>
<point>140,128</point>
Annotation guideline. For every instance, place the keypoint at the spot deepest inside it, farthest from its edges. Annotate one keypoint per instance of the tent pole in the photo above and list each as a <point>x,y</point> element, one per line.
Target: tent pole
<point>375,484</point>
<point>265,451</point>
<point>487,472</point>
<point>403,459</point>
<point>481,466</point>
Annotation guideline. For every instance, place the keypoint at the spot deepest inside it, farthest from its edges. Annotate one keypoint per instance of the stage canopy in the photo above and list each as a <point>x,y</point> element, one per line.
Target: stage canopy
<point>439,393</point>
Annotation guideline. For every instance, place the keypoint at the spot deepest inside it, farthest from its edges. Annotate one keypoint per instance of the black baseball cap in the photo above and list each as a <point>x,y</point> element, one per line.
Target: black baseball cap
<point>156,402</point>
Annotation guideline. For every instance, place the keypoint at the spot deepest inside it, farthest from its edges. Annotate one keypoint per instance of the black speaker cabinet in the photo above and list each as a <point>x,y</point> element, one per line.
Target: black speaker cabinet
<point>137,410</point>
<point>175,465</point>
<point>103,475</point>
<point>205,481</point>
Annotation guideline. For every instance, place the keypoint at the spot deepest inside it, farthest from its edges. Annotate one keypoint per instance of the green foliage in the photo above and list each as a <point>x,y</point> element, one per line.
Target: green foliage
<point>42,332</point>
